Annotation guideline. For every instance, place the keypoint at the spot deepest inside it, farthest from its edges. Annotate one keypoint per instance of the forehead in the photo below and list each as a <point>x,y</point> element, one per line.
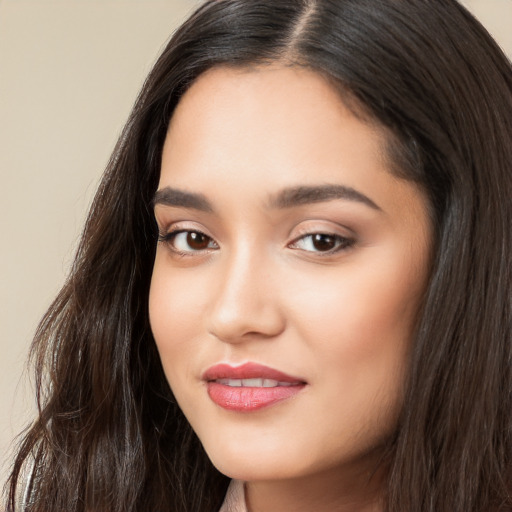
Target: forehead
<point>255,89</point>
<point>270,117</point>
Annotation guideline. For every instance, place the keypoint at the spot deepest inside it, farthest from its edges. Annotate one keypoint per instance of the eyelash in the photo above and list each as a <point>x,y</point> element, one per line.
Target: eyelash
<point>169,239</point>
<point>341,243</point>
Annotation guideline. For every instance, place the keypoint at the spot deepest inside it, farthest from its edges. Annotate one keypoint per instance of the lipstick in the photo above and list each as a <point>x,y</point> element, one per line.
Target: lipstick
<point>249,387</point>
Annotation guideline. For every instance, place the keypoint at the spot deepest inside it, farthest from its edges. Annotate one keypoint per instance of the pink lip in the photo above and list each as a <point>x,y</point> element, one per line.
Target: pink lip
<point>248,371</point>
<point>247,399</point>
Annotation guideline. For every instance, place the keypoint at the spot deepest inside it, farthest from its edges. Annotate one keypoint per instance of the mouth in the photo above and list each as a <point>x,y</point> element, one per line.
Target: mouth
<point>253,383</point>
<point>249,387</point>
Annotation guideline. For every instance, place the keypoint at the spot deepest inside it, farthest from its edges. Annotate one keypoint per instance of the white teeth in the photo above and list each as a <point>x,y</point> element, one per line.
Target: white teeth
<point>252,383</point>
<point>234,383</point>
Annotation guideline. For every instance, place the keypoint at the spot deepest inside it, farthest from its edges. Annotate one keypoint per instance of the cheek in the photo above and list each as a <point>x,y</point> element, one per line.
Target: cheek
<point>175,300</point>
<point>358,326</point>
<point>359,310</point>
<point>174,320</point>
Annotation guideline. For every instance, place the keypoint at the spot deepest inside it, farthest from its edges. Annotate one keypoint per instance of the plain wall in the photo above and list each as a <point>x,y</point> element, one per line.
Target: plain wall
<point>69,73</point>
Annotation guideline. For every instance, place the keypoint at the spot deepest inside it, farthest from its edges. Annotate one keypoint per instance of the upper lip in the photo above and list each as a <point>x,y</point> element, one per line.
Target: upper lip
<point>247,371</point>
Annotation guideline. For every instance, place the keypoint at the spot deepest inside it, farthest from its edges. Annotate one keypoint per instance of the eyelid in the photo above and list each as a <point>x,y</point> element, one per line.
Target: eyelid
<point>343,243</point>
<point>167,236</point>
<point>314,227</point>
<point>172,226</point>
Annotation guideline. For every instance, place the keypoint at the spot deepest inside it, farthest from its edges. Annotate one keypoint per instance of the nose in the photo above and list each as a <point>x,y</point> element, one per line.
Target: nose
<point>245,305</point>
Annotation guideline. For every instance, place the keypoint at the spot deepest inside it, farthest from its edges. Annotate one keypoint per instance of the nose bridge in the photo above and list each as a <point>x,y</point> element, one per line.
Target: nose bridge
<point>245,302</point>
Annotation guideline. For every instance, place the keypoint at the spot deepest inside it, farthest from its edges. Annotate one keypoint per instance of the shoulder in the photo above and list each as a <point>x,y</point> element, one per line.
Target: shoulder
<point>235,498</point>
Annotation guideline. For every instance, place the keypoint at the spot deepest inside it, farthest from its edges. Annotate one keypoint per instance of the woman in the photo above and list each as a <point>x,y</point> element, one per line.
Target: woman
<point>295,275</point>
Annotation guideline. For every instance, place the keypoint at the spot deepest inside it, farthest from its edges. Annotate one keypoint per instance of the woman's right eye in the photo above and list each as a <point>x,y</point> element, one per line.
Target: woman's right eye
<point>186,242</point>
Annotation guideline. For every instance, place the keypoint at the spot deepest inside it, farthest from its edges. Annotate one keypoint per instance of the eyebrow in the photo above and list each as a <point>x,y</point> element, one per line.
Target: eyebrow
<point>301,195</point>
<point>179,198</point>
<point>287,198</point>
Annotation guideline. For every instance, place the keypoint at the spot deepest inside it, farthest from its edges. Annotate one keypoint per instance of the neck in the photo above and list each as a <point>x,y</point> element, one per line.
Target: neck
<point>357,491</point>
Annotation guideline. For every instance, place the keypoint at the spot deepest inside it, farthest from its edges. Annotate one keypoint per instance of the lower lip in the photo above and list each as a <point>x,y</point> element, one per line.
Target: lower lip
<point>248,399</point>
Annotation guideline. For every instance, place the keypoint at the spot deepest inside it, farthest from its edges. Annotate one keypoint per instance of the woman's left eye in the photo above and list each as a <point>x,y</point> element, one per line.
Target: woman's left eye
<point>322,243</point>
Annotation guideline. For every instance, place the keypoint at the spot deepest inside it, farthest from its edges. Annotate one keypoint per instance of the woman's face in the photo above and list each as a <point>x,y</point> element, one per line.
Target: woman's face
<point>289,274</point>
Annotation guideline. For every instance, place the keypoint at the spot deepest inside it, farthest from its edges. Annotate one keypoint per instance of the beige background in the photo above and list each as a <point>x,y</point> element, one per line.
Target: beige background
<point>69,72</point>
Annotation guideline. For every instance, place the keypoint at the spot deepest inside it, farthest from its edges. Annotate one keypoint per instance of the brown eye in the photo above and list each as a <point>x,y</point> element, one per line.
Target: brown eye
<point>322,242</point>
<point>197,241</point>
<point>188,241</point>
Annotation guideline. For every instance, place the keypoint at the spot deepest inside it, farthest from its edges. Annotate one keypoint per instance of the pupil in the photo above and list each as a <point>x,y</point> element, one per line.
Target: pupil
<point>197,241</point>
<point>323,242</point>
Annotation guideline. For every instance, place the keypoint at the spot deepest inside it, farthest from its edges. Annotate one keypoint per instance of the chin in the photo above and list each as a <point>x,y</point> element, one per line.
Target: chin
<point>250,470</point>
<point>251,462</point>
<point>271,457</point>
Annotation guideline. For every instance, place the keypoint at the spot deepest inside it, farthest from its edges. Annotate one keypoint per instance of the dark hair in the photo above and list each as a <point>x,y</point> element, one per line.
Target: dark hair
<point>110,437</point>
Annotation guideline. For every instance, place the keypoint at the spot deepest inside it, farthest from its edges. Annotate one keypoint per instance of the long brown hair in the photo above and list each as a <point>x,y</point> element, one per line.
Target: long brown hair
<point>109,435</point>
